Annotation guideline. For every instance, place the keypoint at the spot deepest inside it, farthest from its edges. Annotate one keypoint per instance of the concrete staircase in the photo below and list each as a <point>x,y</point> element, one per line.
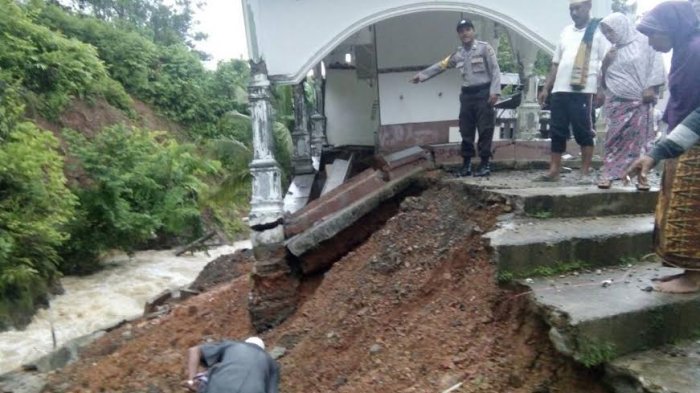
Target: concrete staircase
<point>586,255</point>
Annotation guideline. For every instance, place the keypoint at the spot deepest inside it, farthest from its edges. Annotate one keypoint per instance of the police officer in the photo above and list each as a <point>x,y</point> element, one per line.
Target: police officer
<point>481,86</point>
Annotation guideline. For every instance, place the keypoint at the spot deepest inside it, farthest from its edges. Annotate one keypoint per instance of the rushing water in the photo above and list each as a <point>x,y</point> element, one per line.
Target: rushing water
<point>104,299</point>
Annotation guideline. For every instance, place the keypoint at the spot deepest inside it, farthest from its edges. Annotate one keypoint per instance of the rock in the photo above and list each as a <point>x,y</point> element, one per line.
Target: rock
<point>63,356</point>
<point>127,335</point>
<point>155,302</point>
<point>375,349</point>
<point>22,382</point>
<point>606,283</point>
<point>278,352</point>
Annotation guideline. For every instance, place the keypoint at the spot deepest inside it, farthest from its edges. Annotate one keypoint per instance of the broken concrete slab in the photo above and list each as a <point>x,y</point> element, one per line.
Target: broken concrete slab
<point>407,162</point>
<point>522,247</point>
<point>337,174</point>
<point>670,369</point>
<point>403,157</point>
<point>345,217</point>
<point>447,154</point>
<point>410,169</point>
<point>64,355</point>
<point>595,323</point>
<point>351,191</point>
<point>580,201</point>
<point>298,193</point>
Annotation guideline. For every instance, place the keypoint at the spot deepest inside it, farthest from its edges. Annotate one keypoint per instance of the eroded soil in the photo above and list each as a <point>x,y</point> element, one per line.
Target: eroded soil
<point>415,308</point>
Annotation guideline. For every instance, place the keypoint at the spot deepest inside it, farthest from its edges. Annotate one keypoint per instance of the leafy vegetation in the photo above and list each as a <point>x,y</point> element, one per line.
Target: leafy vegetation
<point>624,6</point>
<point>35,205</point>
<point>592,353</point>
<point>50,67</point>
<point>137,185</point>
<point>541,214</point>
<point>67,197</point>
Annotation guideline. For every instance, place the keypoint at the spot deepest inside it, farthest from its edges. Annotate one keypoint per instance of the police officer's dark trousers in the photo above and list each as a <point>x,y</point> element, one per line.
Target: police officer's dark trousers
<point>475,113</point>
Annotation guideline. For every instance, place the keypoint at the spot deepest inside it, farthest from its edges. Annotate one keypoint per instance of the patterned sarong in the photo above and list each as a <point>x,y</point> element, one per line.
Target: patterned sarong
<point>677,229</point>
<point>630,134</point>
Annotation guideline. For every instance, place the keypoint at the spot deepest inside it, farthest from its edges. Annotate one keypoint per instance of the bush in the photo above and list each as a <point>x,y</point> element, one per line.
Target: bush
<point>51,66</point>
<point>136,185</point>
<point>35,205</point>
<point>129,57</point>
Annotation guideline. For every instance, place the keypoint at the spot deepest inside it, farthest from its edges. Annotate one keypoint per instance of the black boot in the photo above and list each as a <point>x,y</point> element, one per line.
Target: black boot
<point>466,169</point>
<point>484,168</point>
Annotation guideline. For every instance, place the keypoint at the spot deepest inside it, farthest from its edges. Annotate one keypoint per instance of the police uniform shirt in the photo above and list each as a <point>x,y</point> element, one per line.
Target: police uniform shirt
<point>477,63</point>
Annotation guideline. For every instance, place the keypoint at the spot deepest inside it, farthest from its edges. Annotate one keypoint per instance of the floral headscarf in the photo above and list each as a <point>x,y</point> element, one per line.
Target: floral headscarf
<point>632,65</point>
<point>622,27</point>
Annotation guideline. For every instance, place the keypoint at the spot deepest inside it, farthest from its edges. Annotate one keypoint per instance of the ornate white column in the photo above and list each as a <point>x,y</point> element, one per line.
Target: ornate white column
<point>266,207</point>
<point>319,138</point>
<point>274,291</point>
<point>301,159</point>
<point>528,123</point>
<point>320,98</point>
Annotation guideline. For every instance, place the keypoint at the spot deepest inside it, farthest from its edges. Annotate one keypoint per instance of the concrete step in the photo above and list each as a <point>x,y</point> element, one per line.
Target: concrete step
<point>589,201</point>
<point>599,317</point>
<point>671,369</point>
<point>528,247</point>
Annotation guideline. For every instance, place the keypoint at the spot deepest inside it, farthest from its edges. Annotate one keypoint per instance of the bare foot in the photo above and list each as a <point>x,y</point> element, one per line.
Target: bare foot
<point>549,177</point>
<point>688,282</point>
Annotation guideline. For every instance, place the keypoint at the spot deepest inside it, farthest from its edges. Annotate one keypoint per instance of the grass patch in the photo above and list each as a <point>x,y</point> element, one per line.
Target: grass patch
<point>556,269</point>
<point>542,215</point>
<point>504,277</point>
<point>592,353</point>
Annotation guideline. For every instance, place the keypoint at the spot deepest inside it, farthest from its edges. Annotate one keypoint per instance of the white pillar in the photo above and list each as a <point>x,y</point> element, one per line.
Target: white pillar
<point>301,158</point>
<point>528,123</point>
<point>318,134</point>
<point>318,119</point>
<point>266,207</point>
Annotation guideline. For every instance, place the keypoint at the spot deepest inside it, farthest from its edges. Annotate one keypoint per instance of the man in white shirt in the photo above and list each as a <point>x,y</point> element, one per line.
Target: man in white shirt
<point>573,82</point>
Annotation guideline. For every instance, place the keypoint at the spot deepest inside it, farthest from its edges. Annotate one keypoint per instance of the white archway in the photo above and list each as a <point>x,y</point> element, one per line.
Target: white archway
<point>292,37</point>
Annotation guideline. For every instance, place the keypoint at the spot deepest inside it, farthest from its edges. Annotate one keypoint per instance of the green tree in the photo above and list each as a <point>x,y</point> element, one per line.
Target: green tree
<point>164,24</point>
<point>51,67</point>
<point>35,206</point>
<point>506,60</point>
<point>625,6</point>
<point>136,186</point>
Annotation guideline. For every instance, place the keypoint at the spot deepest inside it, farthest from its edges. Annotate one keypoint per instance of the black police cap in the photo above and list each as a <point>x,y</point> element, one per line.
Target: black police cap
<point>465,24</point>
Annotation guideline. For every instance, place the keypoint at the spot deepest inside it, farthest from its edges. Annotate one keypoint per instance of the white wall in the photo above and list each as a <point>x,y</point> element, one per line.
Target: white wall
<point>293,36</point>
<point>403,102</point>
<point>417,40</point>
<point>349,109</point>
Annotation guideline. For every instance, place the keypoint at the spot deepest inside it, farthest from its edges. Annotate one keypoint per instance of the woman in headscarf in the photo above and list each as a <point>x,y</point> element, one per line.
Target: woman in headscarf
<point>632,73</point>
<point>673,26</point>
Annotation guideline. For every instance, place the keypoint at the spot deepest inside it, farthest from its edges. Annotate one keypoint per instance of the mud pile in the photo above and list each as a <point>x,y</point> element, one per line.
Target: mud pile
<point>415,308</point>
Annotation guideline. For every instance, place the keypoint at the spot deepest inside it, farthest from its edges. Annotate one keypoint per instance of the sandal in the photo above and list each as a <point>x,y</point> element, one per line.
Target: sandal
<point>546,179</point>
<point>643,187</point>
<point>604,184</point>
